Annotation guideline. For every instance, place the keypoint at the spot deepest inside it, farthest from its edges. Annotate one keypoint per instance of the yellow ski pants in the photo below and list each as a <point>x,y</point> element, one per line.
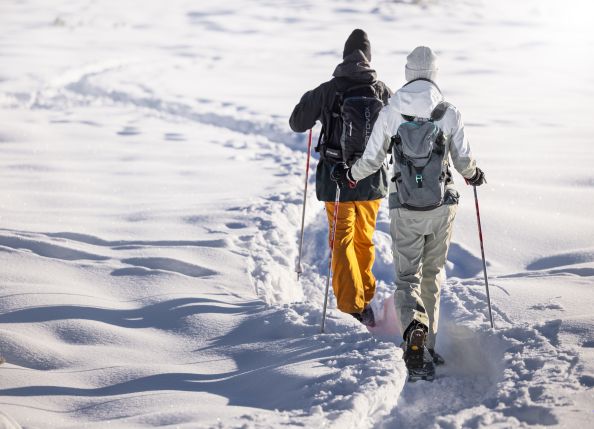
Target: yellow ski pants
<point>352,280</point>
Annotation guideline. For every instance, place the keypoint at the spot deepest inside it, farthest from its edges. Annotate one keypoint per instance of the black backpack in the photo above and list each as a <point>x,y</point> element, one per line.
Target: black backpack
<point>353,113</point>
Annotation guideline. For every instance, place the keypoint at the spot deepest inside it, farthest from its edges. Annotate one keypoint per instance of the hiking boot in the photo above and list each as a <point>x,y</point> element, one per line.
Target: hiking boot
<point>366,317</point>
<point>357,316</point>
<point>437,359</point>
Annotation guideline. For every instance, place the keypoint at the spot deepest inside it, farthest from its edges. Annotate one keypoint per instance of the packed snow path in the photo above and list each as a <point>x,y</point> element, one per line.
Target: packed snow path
<point>151,198</point>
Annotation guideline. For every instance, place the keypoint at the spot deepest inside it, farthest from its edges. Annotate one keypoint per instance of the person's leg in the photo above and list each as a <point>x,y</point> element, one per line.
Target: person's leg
<point>346,277</point>
<point>407,249</point>
<point>433,273</point>
<point>366,216</point>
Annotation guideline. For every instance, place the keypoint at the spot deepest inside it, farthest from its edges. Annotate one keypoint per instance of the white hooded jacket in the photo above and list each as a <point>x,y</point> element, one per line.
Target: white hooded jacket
<point>417,99</point>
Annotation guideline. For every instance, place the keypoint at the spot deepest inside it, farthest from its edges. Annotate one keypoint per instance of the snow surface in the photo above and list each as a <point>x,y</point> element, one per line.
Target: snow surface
<point>150,207</point>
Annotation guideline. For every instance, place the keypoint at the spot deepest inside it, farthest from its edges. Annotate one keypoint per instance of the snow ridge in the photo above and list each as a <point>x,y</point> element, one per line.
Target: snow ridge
<point>366,374</point>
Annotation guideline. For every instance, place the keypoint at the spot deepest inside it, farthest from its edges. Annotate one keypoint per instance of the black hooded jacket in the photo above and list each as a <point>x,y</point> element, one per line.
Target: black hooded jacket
<point>316,105</point>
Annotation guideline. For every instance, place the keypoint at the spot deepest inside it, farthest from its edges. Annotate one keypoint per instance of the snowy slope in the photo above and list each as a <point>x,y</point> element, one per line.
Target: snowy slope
<point>151,196</point>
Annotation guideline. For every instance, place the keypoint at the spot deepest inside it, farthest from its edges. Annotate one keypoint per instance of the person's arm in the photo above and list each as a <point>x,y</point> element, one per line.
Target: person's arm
<point>307,111</point>
<point>460,151</point>
<point>376,149</point>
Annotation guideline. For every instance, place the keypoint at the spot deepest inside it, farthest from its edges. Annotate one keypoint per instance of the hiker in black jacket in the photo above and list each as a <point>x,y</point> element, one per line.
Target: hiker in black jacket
<point>352,281</point>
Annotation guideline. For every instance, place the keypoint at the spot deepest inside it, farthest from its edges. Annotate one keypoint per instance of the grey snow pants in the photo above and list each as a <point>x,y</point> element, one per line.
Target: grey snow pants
<point>420,242</point>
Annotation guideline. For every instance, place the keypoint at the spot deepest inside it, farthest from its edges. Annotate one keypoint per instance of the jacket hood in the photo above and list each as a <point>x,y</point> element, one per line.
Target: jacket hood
<point>417,99</point>
<point>356,67</point>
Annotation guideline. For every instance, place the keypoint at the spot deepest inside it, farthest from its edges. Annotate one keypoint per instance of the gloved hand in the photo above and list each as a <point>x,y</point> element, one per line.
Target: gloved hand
<point>478,179</point>
<point>341,174</point>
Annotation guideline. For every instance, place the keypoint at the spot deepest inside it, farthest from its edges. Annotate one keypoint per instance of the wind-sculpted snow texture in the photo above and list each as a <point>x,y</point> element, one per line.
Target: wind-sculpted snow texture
<point>150,206</point>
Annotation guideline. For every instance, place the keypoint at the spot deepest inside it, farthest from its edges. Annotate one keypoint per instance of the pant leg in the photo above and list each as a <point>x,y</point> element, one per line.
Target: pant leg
<point>433,272</point>
<point>366,216</point>
<point>346,276</point>
<point>407,247</point>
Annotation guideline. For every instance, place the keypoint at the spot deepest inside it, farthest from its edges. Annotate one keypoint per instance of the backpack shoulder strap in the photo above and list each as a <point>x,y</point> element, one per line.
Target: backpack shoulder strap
<point>370,85</point>
<point>439,111</point>
<point>425,80</point>
<point>336,103</point>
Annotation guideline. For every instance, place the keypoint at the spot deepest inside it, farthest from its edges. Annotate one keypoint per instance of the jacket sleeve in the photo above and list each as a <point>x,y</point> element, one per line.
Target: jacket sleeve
<point>376,149</point>
<point>460,151</point>
<point>307,111</point>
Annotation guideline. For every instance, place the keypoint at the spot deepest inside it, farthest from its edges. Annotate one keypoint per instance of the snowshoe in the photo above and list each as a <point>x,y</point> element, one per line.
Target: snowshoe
<point>417,358</point>
<point>437,358</point>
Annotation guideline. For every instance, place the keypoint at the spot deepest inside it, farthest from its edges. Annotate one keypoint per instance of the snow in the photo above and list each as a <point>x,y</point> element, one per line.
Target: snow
<point>150,206</point>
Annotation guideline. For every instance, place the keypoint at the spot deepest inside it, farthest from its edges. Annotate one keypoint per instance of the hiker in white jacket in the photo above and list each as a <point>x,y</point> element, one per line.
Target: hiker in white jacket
<point>420,237</point>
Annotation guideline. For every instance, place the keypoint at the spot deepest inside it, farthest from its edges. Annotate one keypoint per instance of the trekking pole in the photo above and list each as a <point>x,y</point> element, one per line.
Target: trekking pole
<point>478,219</point>
<point>333,236</point>
<point>298,267</point>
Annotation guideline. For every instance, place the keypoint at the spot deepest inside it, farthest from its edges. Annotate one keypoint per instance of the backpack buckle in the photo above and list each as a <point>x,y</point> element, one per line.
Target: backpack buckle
<point>419,178</point>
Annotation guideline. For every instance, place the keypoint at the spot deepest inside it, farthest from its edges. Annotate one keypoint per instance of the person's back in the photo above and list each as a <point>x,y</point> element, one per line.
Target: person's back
<point>321,104</point>
<point>353,282</point>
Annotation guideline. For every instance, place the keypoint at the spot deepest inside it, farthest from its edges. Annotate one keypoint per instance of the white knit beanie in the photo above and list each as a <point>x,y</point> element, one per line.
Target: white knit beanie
<point>421,63</point>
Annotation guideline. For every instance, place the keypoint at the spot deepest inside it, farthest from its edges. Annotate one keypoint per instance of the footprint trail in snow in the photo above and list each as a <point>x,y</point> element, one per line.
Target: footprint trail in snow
<point>151,206</point>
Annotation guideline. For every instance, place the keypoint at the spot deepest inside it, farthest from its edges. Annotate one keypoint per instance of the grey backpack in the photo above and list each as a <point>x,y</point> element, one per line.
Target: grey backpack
<point>420,164</point>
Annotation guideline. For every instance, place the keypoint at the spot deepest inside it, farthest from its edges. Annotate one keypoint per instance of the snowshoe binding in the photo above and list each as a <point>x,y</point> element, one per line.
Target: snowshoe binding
<point>416,356</point>
<point>437,358</point>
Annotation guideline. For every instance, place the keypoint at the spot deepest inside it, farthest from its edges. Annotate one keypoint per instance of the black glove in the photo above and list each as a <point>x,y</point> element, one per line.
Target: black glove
<point>341,174</point>
<point>478,179</point>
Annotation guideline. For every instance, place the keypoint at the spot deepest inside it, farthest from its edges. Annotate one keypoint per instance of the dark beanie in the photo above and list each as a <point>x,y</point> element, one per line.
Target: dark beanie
<point>357,40</point>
